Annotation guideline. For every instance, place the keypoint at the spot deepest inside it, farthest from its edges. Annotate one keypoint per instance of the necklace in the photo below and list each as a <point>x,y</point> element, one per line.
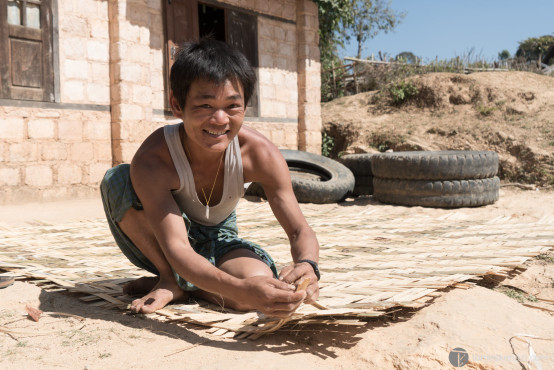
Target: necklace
<point>207,199</point>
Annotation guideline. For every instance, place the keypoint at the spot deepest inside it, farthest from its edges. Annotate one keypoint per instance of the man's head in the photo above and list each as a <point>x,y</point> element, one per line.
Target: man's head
<point>210,60</point>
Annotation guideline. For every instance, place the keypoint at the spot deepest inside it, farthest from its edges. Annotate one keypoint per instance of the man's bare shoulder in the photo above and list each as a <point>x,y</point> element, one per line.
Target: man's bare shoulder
<point>260,157</point>
<point>152,164</point>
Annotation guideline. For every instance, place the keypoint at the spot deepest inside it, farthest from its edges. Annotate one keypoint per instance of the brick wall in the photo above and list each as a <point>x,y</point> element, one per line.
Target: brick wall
<point>48,154</point>
<point>136,42</point>
<point>277,74</point>
<point>57,151</point>
<point>285,9</point>
<point>112,94</point>
<point>84,51</point>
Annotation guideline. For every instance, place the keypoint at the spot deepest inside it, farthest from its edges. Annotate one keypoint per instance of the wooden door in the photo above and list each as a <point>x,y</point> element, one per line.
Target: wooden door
<point>181,26</point>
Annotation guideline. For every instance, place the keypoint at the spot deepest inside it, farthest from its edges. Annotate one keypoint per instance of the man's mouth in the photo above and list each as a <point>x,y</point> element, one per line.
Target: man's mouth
<point>217,133</point>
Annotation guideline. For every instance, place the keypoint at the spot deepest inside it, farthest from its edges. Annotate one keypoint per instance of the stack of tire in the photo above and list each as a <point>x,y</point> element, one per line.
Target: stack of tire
<point>444,179</point>
<point>360,165</point>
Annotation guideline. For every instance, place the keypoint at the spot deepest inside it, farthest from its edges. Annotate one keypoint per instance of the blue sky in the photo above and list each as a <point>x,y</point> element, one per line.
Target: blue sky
<point>450,28</point>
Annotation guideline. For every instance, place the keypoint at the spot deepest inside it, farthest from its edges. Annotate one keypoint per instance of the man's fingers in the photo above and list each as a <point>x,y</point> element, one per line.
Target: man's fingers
<point>285,271</point>
<point>295,274</point>
<point>311,295</point>
<point>283,286</point>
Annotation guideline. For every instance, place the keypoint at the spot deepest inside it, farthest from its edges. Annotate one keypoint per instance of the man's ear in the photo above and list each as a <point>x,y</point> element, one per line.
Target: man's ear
<point>175,107</point>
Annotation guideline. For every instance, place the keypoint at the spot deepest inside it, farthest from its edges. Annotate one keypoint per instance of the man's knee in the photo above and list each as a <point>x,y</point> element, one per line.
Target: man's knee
<point>244,263</point>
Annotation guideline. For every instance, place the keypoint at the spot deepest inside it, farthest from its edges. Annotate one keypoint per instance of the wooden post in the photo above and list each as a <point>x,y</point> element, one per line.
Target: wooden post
<point>355,77</point>
<point>334,80</point>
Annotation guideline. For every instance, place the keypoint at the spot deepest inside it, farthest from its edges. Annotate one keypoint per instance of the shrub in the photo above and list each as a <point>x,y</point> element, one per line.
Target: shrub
<point>402,91</point>
<point>327,144</point>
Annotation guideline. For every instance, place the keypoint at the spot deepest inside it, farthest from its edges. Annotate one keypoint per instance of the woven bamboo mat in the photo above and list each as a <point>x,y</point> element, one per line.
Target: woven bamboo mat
<point>372,260</point>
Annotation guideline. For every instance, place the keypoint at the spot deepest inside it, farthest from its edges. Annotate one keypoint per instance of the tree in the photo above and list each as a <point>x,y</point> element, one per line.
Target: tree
<point>339,20</point>
<point>369,17</point>
<point>504,55</point>
<point>534,48</point>
<point>407,57</point>
<point>333,15</point>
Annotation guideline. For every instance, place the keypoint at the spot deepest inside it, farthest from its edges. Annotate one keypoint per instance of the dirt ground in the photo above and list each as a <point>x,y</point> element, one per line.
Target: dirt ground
<point>511,113</point>
<point>482,320</point>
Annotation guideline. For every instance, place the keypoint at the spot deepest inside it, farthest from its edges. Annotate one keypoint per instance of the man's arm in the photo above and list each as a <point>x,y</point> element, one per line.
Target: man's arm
<point>266,165</point>
<point>153,177</point>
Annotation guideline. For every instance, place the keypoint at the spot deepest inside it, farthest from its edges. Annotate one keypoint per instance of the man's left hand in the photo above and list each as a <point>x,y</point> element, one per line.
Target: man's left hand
<point>294,274</point>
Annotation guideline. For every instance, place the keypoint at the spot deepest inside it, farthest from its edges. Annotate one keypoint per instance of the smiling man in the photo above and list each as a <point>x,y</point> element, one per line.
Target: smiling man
<point>172,210</point>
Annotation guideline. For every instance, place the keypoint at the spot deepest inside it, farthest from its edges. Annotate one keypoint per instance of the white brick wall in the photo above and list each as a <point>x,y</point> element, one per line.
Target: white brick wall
<point>12,129</point>
<point>84,52</point>
<point>38,175</point>
<point>43,151</point>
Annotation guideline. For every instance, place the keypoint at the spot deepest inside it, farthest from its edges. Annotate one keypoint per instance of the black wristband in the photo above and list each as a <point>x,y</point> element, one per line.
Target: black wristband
<point>314,266</point>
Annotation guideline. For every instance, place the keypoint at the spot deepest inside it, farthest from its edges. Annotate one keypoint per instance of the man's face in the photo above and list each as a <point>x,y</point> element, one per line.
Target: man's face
<point>213,114</point>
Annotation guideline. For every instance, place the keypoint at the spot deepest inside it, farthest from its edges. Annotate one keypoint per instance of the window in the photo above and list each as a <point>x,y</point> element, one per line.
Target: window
<point>26,59</point>
<point>190,20</point>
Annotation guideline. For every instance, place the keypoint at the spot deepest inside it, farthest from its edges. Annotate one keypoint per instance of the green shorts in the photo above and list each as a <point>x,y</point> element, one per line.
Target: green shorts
<point>211,242</point>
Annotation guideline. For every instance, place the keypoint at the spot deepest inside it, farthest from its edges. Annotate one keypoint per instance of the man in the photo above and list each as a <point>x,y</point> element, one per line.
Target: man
<point>172,210</point>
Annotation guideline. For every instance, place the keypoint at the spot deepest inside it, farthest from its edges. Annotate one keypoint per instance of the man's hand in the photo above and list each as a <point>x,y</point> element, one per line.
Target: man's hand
<point>270,296</point>
<point>294,274</point>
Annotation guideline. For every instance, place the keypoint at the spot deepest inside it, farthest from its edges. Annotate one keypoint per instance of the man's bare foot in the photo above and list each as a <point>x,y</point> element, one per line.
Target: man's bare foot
<point>141,285</point>
<point>163,293</point>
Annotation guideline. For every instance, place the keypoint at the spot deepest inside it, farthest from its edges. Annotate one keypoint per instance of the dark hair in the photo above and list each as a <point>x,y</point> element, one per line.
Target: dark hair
<point>214,61</point>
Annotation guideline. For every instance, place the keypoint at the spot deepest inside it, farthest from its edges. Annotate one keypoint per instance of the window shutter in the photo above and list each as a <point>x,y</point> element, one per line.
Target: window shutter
<point>242,33</point>
<point>26,51</point>
<point>181,26</point>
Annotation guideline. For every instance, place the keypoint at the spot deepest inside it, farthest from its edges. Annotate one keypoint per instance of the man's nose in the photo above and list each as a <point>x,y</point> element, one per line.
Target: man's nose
<point>220,116</point>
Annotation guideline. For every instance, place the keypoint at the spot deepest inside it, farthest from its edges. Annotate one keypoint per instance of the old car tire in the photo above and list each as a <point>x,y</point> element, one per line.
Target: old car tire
<point>315,179</point>
<point>363,185</point>
<point>435,165</point>
<point>359,164</point>
<point>437,193</point>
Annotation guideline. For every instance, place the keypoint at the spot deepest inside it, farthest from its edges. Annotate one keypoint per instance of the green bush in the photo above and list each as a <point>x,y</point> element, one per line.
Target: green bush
<point>402,91</point>
<point>327,144</point>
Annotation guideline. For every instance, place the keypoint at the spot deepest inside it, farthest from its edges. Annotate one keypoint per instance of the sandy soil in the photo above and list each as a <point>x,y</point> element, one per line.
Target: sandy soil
<point>482,320</point>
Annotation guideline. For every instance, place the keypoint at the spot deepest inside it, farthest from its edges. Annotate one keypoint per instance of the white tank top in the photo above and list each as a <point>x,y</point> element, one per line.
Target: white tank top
<point>186,196</point>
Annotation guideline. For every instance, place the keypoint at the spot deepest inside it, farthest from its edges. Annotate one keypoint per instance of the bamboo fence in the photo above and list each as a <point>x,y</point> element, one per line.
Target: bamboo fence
<point>372,261</point>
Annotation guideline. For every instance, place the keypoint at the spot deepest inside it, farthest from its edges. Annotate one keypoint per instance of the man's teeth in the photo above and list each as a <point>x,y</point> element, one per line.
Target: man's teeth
<point>215,132</point>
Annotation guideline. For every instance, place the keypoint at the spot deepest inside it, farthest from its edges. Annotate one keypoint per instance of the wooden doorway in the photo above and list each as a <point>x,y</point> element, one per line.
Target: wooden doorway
<point>189,20</point>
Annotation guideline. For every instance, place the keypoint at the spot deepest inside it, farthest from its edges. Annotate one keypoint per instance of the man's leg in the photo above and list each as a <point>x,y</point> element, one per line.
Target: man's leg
<point>162,290</point>
<point>241,263</point>
<point>135,238</point>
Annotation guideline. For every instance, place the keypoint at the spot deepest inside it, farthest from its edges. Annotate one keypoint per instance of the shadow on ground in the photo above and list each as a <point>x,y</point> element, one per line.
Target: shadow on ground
<point>319,340</point>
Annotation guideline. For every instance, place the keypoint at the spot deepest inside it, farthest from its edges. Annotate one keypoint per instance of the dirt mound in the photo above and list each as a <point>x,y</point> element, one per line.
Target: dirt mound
<point>511,113</point>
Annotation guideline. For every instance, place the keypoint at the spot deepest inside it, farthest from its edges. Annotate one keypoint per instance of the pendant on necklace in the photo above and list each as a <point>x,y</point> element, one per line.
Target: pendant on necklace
<point>207,212</point>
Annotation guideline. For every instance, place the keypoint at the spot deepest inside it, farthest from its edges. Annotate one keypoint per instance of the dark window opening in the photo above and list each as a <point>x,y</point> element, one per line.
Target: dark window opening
<point>211,22</point>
